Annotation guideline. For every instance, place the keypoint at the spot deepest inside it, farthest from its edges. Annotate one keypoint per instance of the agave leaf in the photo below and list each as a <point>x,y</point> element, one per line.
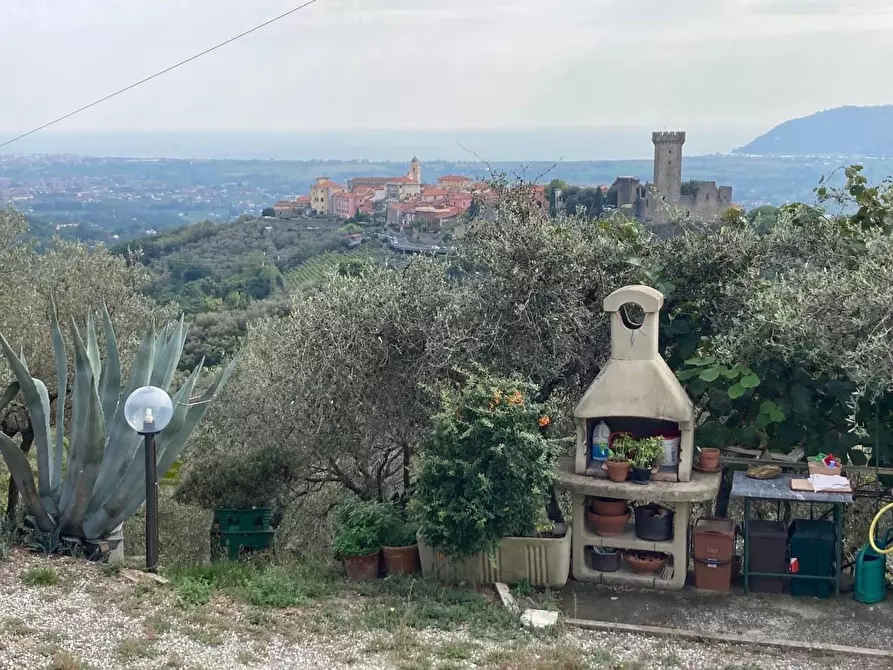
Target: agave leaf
<point>129,497</point>
<point>169,356</point>
<point>87,439</point>
<point>83,378</point>
<point>9,394</point>
<point>62,388</point>
<point>20,469</point>
<point>123,442</point>
<point>110,379</point>
<point>38,408</point>
<point>93,349</point>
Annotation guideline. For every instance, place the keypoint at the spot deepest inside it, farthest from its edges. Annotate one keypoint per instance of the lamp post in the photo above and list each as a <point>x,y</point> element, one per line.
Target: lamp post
<point>148,410</point>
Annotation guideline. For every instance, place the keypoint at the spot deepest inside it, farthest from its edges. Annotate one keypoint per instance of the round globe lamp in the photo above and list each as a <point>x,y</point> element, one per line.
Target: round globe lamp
<point>148,410</point>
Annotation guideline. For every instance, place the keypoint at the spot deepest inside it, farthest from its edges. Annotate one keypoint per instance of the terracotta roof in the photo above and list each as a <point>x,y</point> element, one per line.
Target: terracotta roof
<point>433,191</point>
<point>303,198</point>
<point>401,180</point>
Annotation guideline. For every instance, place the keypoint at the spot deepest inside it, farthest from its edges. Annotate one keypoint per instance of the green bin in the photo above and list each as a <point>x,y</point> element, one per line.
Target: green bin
<point>238,531</point>
<point>812,544</point>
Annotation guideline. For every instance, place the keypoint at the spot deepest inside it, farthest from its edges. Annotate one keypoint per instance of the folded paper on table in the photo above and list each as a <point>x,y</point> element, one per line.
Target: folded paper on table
<point>820,486</point>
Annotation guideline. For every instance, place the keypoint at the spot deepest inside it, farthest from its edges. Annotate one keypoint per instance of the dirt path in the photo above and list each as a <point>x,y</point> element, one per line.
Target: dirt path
<point>64,614</point>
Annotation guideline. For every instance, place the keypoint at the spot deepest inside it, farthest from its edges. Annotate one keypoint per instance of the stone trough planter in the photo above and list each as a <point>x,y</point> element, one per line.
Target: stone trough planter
<point>541,561</point>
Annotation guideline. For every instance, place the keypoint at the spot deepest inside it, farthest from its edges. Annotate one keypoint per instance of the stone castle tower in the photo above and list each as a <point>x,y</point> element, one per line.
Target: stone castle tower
<point>668,164</point>
<point>415,170</point>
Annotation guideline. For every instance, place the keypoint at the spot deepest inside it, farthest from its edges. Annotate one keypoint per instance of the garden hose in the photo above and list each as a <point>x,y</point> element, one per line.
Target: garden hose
<point>871,529</point>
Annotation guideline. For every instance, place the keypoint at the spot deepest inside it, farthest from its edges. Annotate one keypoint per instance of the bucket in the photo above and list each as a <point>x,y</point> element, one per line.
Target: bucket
<point>654,523</point>
<point>605,559</point>
<point>671,449</point>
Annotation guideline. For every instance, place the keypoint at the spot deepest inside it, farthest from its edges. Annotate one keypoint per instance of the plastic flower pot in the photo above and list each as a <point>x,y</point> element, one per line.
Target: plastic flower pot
<point>640,475</point>
<point>605,559</point>
<point>618,471</point>
<point>361,568</point>
<point>608,506</point>
<point>654,523</point>
<point>708,459</point>
<point>401,560</point>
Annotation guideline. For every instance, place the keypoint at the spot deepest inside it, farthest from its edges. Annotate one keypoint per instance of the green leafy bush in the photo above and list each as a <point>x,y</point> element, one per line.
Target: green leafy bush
<point>362,525</point>
<point>487,469</point>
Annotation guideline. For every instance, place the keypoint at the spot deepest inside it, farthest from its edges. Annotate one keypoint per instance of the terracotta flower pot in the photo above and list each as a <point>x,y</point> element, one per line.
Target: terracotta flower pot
<point>361,568</point>
<point>608,506</point>
<point>617,472</point>
<point>401,560</point>
<point>708,459</point>
<point>644,562</point>
<point>608,526</point>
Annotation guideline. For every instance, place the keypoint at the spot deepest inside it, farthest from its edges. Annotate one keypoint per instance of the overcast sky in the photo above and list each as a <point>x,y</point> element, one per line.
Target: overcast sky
<point>708,65</point>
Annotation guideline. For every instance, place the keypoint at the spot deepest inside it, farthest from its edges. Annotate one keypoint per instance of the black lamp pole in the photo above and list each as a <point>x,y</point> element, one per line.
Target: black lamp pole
<point>151,498</point>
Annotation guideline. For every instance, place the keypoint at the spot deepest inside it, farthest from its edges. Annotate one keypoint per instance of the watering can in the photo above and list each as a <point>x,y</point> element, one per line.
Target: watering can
<point>871,567</point>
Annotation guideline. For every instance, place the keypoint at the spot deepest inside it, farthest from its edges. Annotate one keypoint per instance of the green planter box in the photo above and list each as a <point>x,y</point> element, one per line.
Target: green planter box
<point>238,531</point>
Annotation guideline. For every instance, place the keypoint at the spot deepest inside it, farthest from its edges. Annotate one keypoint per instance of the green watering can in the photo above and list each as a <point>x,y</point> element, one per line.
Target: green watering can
<point>871,567</point>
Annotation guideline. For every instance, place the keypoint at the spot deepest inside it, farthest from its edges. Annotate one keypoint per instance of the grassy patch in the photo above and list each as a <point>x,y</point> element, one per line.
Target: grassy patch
<point>157,624</point>
<point>15,626</point>
<point>40,575</point>
<point>456,651</point>
<point>207,636</point>
<point>558,658</point>
<point>63,660</point>
<point>134,648</point>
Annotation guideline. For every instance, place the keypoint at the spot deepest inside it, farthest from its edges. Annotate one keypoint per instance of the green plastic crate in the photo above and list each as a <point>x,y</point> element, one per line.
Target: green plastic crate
<point>238,531</point>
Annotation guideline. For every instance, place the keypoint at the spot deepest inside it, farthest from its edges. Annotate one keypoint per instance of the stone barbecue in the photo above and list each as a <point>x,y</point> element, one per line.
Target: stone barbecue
<point>635,394</point>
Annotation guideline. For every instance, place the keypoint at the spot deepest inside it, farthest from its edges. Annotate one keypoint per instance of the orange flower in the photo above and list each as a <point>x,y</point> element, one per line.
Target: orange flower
<point>496,399</point>
<point>544,421</point>
<point>516,398</point>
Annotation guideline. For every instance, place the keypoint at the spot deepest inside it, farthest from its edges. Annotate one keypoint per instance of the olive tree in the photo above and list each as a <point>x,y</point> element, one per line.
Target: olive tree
<point>80,279</point>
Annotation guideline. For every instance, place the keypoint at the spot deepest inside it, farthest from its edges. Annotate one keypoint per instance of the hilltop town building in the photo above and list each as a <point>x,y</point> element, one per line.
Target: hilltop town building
<point>667,197</point>
<point>321,194</point>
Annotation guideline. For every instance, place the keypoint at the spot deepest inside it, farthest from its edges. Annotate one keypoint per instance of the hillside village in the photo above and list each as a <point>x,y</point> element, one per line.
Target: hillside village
<point>405,201</point>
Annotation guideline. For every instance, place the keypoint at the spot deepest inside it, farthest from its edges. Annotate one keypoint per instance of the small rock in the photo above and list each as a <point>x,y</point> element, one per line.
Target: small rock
<point>539,618</point>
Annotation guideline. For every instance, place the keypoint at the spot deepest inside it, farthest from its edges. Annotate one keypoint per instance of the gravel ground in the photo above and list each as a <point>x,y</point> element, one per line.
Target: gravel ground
<point>93,620</point>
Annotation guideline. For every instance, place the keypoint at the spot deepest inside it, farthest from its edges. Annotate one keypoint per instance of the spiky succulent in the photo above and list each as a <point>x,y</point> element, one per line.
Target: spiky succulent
<point>101,484</point>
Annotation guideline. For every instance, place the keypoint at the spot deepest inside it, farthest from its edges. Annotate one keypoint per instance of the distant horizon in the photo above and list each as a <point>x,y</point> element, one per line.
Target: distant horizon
<point>388,145</point>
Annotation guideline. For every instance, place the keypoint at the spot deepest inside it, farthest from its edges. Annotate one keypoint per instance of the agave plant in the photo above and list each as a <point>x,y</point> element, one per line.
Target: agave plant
<point>100,485</point>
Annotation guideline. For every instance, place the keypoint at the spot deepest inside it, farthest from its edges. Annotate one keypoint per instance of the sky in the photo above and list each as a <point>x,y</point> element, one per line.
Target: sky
<point>724,71</point>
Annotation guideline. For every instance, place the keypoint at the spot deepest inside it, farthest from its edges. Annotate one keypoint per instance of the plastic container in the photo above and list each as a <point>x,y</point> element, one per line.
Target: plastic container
<point>713,545</point>
<point>654,523</point>
<point>767,543</point>
<point>812,543</point>
<point>601,435</point>
<point>605,559</point>
<point>238,531</point>
<point>672,440</point>
<point>870,571</point>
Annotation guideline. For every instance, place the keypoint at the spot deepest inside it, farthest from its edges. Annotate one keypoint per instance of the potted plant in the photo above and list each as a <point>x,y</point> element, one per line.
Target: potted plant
<point>646,451</point>
<point>484,482</point>
<point>400,547</point>
<point>618,466</point>
<point>358,537</point>
<point>244,486</point>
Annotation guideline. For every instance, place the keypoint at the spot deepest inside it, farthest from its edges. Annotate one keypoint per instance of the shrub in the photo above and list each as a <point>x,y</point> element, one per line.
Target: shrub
<point>362,527</point>
<point>487,470</point>
<point>40,575</point>
<point>218,474</point>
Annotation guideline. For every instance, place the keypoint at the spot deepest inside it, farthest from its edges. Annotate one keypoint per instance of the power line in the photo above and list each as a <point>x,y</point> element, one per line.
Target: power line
<point>160,73</point>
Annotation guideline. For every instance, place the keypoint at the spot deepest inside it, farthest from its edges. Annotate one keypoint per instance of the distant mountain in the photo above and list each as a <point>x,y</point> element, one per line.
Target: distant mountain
<point>844,131</point>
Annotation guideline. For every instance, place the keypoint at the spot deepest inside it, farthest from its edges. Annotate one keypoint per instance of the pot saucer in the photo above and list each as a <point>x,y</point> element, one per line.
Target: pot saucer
<point>718,468</point>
